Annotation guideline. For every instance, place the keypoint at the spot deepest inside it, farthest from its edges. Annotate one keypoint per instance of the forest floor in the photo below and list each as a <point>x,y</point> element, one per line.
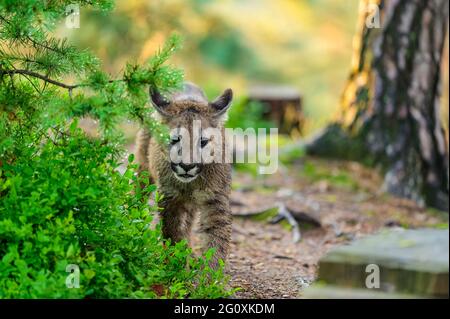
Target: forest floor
<point>342,199</point>
<point>338,202</point>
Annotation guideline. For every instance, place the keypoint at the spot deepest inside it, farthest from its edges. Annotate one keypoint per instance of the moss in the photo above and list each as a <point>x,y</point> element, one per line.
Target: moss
<point>441,226</point>
<point>336,142</point>
<point>251,168</point>
<point>438,214</point>
<point>266,215</point>
<point>338,178</point>
<point>306,226</point>
<point>291,153</point>
<point>242,187</point>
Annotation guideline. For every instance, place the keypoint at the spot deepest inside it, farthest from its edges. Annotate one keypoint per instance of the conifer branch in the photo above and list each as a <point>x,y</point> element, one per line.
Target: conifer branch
<point>41,77</point>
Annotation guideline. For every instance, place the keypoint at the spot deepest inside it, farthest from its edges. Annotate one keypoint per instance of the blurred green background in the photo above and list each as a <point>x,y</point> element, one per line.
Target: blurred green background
<point>233,43</point>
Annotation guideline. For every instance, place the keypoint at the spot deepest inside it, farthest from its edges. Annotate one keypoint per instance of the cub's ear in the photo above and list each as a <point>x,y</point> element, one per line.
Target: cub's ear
<point>221,104</point>
<point>159,101</point>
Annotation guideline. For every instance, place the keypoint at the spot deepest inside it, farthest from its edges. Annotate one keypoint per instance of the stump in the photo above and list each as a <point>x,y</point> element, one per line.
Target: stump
<point>284,107</point>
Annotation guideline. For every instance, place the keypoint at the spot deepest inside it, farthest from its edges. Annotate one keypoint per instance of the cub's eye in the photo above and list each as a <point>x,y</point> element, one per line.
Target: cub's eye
<point>174,140</point>
<point>204,142</point>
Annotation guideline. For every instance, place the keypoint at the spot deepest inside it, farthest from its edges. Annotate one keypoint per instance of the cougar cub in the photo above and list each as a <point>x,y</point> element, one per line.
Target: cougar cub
<point>190,187</point>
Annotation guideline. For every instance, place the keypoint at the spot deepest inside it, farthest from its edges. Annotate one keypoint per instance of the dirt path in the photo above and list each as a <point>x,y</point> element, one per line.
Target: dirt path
<point>266,263</point>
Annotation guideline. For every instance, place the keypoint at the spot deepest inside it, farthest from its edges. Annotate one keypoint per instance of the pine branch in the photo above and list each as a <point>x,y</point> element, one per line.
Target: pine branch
<point>46,79</point>
<point>41,77</point>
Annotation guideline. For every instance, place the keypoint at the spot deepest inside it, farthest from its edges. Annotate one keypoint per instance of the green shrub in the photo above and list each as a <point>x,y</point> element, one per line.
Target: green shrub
<point>62,199</point>
<point>69,205</point>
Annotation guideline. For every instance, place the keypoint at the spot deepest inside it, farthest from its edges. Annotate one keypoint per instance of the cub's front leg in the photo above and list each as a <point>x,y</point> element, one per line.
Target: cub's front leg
<point>176,221</point>
<point>216,226</point>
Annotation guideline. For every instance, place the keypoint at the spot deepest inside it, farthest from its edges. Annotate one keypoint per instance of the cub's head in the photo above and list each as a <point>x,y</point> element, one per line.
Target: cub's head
<point>196,129</point>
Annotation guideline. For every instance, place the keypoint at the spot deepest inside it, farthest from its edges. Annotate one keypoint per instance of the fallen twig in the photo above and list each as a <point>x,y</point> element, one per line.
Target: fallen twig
<point>283,213</point>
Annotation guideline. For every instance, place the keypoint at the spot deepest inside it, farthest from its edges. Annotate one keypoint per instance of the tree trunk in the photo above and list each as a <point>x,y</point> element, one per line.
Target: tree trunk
<point>391,105</point>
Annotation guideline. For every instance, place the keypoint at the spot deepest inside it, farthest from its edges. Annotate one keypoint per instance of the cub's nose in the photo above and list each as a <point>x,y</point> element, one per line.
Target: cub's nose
<point>183,169</point>
<point>187,167</point>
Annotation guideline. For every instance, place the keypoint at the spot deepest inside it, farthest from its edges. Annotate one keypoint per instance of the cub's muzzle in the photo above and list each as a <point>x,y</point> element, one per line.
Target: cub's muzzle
<point>185,172</point>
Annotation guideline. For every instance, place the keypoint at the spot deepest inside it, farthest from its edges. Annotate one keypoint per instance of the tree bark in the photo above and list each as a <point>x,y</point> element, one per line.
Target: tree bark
<point>391,104</point>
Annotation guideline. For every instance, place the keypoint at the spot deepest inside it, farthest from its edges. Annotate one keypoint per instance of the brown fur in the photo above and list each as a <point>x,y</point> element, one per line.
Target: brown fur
<point>208,194</point>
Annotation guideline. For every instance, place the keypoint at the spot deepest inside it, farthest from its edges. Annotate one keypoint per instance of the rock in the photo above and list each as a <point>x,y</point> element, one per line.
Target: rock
<point>335,292</point>
<point>414,262</point>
